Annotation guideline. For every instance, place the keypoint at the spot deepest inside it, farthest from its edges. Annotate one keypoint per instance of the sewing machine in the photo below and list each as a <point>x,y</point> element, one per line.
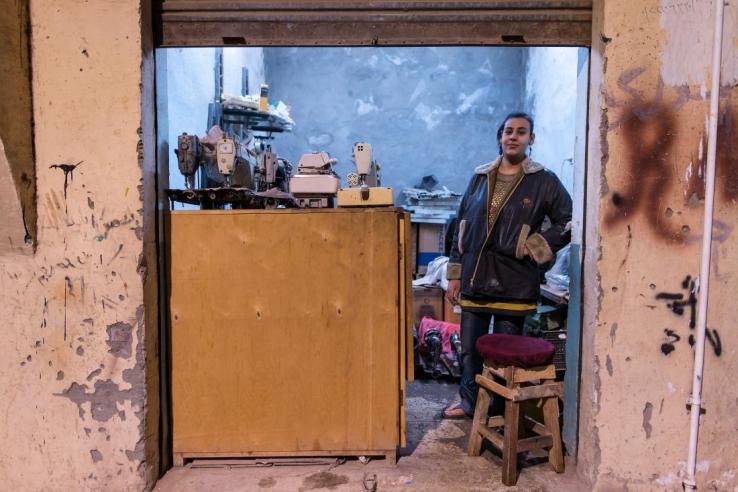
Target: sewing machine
<point>188,157</point>
<point>315,184</point>
<point>365,188</point>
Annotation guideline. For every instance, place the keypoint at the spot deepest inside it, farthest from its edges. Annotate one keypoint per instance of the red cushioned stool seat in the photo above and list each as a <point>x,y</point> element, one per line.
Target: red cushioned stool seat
<point>515,350</point>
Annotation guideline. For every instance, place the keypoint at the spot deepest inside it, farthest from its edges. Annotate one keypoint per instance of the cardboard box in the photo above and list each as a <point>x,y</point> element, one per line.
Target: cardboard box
<point>427,301</point>
<point>431,242</point>
<point>451,312</point>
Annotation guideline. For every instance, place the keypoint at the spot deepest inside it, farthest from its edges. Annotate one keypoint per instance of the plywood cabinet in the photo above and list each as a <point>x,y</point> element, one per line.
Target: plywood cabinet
<point>289,331</point>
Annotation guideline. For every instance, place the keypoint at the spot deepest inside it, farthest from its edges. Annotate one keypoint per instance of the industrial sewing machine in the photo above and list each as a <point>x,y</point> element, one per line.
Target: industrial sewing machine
<point>365,188</point>
<point>316,183</point>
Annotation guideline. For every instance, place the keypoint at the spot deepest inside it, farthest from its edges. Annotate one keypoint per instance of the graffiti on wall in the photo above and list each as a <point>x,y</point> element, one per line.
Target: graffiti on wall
<point>648,123</point>
<point>684,304</point>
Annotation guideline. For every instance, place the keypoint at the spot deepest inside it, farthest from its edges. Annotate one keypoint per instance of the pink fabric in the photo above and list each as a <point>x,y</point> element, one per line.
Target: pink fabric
<point>446,330</point>
<point>515,350</point>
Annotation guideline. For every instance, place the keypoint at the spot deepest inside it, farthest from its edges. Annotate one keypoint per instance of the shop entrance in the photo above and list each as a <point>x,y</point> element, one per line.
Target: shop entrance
<point>413,104</point>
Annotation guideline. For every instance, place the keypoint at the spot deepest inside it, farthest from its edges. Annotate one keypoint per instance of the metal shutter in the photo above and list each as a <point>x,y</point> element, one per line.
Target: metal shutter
<point>357,23</point>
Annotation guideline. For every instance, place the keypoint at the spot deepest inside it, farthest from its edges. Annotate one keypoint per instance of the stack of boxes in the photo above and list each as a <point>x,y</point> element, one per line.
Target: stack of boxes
<point>429,243</point>
<point>431,216</point>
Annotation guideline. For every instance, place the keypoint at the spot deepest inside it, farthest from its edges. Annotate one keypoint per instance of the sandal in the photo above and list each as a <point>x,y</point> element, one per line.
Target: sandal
<point>454,412</point>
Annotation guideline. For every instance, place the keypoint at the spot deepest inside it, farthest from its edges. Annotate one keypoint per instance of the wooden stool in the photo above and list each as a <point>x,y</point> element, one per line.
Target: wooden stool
<point>524,363</point>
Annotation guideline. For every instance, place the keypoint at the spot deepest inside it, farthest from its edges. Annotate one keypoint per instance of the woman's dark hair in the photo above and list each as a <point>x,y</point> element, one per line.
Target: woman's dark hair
<point>516,114</point>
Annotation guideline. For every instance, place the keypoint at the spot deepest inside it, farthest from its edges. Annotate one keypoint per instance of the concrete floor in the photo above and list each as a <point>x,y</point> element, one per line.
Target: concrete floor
<point>434,460</point>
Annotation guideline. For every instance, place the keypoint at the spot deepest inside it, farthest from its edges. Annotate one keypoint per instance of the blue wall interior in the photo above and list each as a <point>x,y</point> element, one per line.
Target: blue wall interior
<point>424,110</point>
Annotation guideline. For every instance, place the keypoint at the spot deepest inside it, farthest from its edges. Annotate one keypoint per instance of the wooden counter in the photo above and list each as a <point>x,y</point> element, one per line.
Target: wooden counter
<point>289,331</point>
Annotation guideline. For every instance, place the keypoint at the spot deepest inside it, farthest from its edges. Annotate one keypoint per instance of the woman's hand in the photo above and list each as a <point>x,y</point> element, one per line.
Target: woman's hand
<point>452,293</point>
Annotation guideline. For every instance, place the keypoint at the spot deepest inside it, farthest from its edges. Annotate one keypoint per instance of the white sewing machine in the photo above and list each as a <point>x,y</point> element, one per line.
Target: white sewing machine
<point>315,184</point>
<point>365,188</point>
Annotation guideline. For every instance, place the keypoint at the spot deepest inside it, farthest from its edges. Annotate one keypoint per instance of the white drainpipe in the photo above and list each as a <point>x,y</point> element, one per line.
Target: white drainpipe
<point>704,281</point>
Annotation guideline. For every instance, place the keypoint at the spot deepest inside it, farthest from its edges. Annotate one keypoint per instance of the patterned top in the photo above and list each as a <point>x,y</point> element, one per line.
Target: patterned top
<point>503,185</point>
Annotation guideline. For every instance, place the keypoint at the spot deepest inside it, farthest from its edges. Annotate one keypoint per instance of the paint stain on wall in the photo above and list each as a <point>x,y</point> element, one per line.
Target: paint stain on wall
<point>103,400</point>
<point>650,136</point>
<point>68,170</point>
<point>120,339</point>
<point>647,413</point>
<point>727,158</point>
<point>613,332</point>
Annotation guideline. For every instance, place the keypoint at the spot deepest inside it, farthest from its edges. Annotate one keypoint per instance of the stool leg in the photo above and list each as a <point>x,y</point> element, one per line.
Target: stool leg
<point>551,419</point>
<point>510,447</point>
<point>480,419</point>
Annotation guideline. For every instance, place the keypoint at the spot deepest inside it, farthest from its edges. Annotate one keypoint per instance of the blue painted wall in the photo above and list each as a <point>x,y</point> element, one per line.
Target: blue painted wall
<point>424,109</point>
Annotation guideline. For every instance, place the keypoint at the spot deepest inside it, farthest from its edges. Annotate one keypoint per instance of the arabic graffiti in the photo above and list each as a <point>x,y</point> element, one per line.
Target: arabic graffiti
<point>681,303</point>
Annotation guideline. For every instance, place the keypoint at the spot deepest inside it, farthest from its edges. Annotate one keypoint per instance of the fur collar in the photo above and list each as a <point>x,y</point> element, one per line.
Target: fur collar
<point>529,166</point>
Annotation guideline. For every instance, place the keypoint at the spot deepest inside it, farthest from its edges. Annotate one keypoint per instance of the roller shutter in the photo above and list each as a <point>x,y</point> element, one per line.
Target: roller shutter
<point>357,23</point>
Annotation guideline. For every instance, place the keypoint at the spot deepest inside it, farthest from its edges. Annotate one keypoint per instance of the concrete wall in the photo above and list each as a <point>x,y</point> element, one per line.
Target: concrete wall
<point>425,110</point>
<point>551,98</point>
<point>648,115</point>
<point>75,344</point>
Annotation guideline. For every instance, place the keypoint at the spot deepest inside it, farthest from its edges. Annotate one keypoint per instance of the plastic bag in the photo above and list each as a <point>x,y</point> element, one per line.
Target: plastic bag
<point>558,276</point>
<point>436,273</point>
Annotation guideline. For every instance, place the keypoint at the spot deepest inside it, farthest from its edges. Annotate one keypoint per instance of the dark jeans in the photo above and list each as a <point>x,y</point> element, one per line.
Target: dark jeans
<point>473,326</point>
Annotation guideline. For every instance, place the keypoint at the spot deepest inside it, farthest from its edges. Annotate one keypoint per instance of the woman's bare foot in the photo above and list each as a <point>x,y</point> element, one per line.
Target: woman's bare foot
<point>455,411</point>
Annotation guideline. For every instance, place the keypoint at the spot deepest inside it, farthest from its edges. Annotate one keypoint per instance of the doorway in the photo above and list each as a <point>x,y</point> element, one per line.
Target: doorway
<point>429,112</point>
<point>352,24</point>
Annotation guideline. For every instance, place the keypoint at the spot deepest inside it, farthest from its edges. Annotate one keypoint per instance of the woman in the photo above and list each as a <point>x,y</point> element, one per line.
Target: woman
<point>499,245</point>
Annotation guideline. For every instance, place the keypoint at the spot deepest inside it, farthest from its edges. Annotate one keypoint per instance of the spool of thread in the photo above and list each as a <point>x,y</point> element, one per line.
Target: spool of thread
<point>264,98</point>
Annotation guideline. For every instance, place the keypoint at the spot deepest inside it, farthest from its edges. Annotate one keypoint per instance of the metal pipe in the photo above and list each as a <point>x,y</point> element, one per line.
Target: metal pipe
<point>695,399</point>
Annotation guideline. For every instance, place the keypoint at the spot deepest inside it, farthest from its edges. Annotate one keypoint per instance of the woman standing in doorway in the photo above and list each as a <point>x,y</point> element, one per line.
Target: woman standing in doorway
<point>499,244</point>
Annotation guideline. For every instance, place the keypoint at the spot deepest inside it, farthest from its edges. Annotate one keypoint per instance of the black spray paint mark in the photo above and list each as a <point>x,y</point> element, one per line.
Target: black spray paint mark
<point>713,338</point>
<point>68,170</point>
<point>668,346</point>
<point>677,303</point>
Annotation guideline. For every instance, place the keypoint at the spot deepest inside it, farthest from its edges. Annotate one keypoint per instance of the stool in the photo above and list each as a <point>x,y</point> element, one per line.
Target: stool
<point>525,365</point>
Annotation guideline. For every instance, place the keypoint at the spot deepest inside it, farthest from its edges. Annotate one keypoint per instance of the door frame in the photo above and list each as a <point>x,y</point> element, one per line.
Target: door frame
<point>398,23</point>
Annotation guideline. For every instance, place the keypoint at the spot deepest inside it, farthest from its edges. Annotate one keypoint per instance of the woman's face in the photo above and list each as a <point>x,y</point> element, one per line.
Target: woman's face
<point>516,137</point>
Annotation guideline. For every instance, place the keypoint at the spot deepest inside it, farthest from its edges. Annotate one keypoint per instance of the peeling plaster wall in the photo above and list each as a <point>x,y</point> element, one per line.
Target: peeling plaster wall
<point>74,349</point>
<point>647,155</point>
